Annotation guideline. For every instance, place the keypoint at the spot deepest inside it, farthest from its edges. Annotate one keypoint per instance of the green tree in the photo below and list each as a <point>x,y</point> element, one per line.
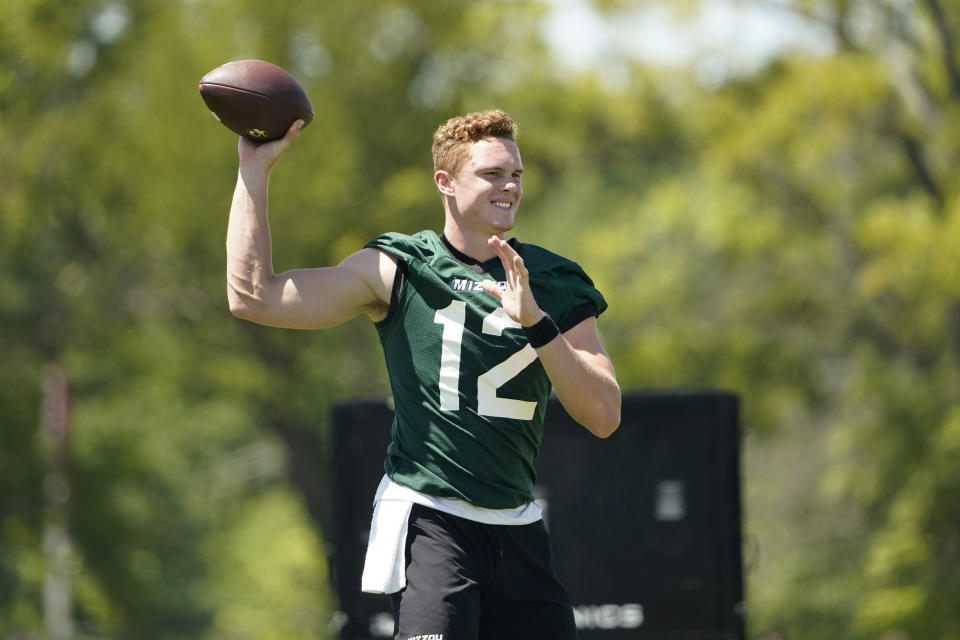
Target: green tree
<point>803,253</point>
<point>188,426</point>
<point>790,234</point>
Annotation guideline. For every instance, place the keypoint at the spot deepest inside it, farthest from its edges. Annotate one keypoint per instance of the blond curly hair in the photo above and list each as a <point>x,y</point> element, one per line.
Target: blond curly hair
<point>452,140</point>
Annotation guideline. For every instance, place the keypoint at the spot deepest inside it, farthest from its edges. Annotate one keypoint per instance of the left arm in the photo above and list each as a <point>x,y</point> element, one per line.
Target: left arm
<point>582,374</point>
<point>579,368</point>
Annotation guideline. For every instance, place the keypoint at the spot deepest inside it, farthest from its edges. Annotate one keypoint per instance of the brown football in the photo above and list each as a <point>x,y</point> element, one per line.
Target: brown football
<point>255,99</point>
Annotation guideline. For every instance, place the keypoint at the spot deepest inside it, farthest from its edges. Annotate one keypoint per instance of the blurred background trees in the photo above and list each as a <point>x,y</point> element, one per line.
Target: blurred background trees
<point>789,231</point>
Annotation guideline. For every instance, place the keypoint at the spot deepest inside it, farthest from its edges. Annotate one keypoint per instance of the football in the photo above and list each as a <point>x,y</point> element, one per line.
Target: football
<point>255,99</point>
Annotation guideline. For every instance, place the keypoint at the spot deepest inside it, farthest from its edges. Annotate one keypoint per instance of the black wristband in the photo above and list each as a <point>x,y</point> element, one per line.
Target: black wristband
<point>542,332</point>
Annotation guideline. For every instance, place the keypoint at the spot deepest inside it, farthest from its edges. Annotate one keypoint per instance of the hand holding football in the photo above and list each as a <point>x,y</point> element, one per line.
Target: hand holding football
<point>255,99</point>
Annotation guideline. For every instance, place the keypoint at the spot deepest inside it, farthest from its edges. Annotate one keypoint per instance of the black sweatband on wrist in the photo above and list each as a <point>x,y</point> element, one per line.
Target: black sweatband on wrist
<point>542,332</point>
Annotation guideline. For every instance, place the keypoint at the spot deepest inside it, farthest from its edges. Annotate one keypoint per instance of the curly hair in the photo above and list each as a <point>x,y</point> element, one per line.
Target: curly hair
<point>453,138</point>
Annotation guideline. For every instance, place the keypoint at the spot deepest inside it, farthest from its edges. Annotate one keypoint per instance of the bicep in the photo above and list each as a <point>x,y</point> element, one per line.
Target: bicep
<point>328,296</point>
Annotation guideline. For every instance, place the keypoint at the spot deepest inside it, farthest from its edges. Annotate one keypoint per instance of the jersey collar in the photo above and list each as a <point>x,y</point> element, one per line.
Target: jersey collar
<point>470,261</point>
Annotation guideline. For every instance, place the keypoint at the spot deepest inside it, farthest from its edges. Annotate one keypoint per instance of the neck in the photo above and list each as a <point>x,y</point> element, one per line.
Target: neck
<point>474,245</point>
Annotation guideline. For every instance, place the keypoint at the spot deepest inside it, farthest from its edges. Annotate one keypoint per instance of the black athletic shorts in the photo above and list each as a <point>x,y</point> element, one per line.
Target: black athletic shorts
<point>472,581</point>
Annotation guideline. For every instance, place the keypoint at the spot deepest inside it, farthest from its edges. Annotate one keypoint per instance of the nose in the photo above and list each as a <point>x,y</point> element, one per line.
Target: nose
<point>512,184</point>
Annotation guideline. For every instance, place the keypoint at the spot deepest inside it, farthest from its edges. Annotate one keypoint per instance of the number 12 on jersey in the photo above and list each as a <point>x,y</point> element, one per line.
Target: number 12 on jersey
<point>453,318</point>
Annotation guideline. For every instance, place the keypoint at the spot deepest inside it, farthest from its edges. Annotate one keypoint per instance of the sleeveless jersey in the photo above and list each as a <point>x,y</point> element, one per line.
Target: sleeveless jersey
<point>469,391</point>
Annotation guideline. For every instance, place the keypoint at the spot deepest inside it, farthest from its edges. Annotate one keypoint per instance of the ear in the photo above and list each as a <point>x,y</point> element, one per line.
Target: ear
<point>444,182</point>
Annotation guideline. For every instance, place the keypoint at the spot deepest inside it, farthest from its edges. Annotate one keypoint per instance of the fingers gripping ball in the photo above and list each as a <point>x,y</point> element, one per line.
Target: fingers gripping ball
<point>255,99</point>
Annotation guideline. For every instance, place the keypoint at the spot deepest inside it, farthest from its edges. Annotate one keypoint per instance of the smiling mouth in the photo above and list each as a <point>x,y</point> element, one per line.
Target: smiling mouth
<point>502,205</point>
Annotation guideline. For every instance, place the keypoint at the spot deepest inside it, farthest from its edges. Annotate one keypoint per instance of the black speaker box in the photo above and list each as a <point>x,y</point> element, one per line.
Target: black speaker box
<point>645,525</point>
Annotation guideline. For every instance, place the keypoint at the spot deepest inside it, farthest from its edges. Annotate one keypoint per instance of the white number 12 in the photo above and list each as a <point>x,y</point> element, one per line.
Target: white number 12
<point>452,318</point>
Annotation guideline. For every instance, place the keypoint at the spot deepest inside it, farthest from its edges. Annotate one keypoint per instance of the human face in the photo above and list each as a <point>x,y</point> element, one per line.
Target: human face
<point>487,190</point>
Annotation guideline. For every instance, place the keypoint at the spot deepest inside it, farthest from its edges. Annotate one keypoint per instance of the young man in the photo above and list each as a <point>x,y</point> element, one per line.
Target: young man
<point>476,331</point>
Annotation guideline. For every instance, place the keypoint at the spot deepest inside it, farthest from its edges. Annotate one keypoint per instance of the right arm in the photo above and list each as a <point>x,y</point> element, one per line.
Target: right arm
<point>300,298</point>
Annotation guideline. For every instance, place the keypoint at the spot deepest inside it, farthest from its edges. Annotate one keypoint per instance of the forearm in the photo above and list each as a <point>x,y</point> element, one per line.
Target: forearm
<point>576,363</point>
<point>249,257</point>
<point>585,384</point>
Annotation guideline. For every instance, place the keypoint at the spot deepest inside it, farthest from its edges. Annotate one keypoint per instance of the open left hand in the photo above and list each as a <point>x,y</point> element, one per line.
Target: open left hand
<point>517,299</point>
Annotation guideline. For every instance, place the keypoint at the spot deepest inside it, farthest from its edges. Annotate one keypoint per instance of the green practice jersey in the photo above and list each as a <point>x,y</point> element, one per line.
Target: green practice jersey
<point>469,391</point>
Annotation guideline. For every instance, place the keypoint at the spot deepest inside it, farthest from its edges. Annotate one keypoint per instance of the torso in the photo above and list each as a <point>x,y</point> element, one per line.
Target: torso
<point>470,393</point>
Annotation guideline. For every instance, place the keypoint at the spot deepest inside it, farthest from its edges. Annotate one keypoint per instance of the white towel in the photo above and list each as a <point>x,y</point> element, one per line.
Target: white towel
<point>384,569</point>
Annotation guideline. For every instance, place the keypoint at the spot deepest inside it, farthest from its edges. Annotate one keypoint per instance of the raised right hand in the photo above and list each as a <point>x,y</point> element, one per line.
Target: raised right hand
<point>264,156</point>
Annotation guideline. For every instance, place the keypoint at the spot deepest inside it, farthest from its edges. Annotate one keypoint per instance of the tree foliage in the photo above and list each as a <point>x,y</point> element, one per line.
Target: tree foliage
<point>791,234</point>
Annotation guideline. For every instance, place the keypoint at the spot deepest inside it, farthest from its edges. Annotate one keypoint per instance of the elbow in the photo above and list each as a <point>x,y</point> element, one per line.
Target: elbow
<point>239,310</point>
<point>604,419</point>
<point>241,306</point>
<point>604,426</point>
<point>609,415</point>
<point>600,415</point>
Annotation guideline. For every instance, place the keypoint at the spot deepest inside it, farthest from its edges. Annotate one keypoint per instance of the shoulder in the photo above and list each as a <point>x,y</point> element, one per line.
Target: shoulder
<point>374,268</point>
<point>561,285</point>
<point>421,246</point>
<point>538,259</point>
